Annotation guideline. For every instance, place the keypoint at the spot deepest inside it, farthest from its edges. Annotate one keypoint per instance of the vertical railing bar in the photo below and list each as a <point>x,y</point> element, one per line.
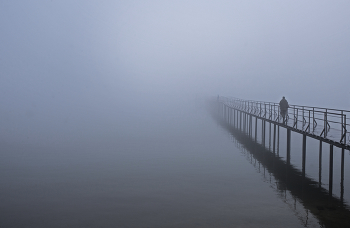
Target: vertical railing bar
<point>345,131</point>
<point>303,120</point>
<point>342,130</point>
<point>313,119</point>
<point>309,120</point>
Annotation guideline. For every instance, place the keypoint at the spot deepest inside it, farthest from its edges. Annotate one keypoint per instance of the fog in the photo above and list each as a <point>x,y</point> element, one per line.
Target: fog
<point>82,70</point>
<point>103,120</point>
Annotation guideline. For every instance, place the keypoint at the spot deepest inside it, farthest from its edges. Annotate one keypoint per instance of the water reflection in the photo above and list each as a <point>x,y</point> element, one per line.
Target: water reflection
<point>287,180</point>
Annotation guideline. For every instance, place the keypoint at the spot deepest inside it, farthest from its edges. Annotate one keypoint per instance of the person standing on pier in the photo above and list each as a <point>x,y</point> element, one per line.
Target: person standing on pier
<point>284,108</point>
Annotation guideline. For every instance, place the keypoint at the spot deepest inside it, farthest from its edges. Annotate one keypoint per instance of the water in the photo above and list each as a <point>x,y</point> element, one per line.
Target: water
<point>180,171</point>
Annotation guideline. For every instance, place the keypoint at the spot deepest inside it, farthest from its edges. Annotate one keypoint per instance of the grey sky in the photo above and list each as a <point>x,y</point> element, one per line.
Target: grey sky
<point>70,66</point>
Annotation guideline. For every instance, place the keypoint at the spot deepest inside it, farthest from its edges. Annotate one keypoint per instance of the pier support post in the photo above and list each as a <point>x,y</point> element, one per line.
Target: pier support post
<point>330,170</point>
<point>240,120</point>
<point>304,155</point>
<point>234,118</point>
<point>278,140</point>
<point>288,146</point>
<point>263,131</point>
<point>256,129</point>
<point>229,115</point>
<point>250,126</point>
<point>243,120</point>
<point>270,136</point>
<point>274,139</point>
<point>224,112</point>
<point>342,176</point>
<point>320,165</point>
<point>246,122</point>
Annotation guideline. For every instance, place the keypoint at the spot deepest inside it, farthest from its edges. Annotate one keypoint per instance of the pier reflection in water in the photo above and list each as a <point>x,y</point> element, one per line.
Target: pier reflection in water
<point>290,181</point>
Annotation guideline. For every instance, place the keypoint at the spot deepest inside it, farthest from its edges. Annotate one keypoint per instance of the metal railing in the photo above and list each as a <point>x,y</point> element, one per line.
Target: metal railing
<point>327,123</point>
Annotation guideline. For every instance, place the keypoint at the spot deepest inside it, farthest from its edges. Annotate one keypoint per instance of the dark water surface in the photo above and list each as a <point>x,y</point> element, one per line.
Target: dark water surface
<point>181,171</point>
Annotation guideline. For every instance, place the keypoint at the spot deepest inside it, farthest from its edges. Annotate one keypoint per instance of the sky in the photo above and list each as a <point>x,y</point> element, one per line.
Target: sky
<point>71,69</point>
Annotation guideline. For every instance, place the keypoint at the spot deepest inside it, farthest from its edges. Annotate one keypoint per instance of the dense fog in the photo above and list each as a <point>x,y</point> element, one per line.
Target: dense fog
<point>82,70</point>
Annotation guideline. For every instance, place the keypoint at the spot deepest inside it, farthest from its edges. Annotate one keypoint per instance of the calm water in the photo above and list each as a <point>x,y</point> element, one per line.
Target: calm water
<point>181,171</point>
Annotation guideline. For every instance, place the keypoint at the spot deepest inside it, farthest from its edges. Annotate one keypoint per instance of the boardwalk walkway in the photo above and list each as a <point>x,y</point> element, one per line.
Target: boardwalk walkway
<point>325,124</point>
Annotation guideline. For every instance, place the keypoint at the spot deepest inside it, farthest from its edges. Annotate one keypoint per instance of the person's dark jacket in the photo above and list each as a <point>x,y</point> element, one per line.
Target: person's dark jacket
<point>284,105</point>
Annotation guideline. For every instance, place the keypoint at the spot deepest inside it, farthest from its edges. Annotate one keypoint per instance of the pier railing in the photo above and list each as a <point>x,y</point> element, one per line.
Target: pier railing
<point>330,125</point>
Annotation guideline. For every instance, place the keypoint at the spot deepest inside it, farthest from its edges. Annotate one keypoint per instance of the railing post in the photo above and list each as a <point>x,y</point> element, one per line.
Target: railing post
<point>309,126</point>
<point>342,126</point>
<point>313,119</point>
<point>296,126</point>
<point>303,119</point>
<point>260,110</point>
<point>345,131</point>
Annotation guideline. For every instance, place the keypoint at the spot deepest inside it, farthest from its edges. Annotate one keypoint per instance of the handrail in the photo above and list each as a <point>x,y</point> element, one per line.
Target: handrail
<point>267,102</point>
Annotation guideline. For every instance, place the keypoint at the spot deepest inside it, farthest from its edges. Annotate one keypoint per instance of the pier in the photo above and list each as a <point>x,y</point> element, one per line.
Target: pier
<point>324,124</point>
<point>243,118</point>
